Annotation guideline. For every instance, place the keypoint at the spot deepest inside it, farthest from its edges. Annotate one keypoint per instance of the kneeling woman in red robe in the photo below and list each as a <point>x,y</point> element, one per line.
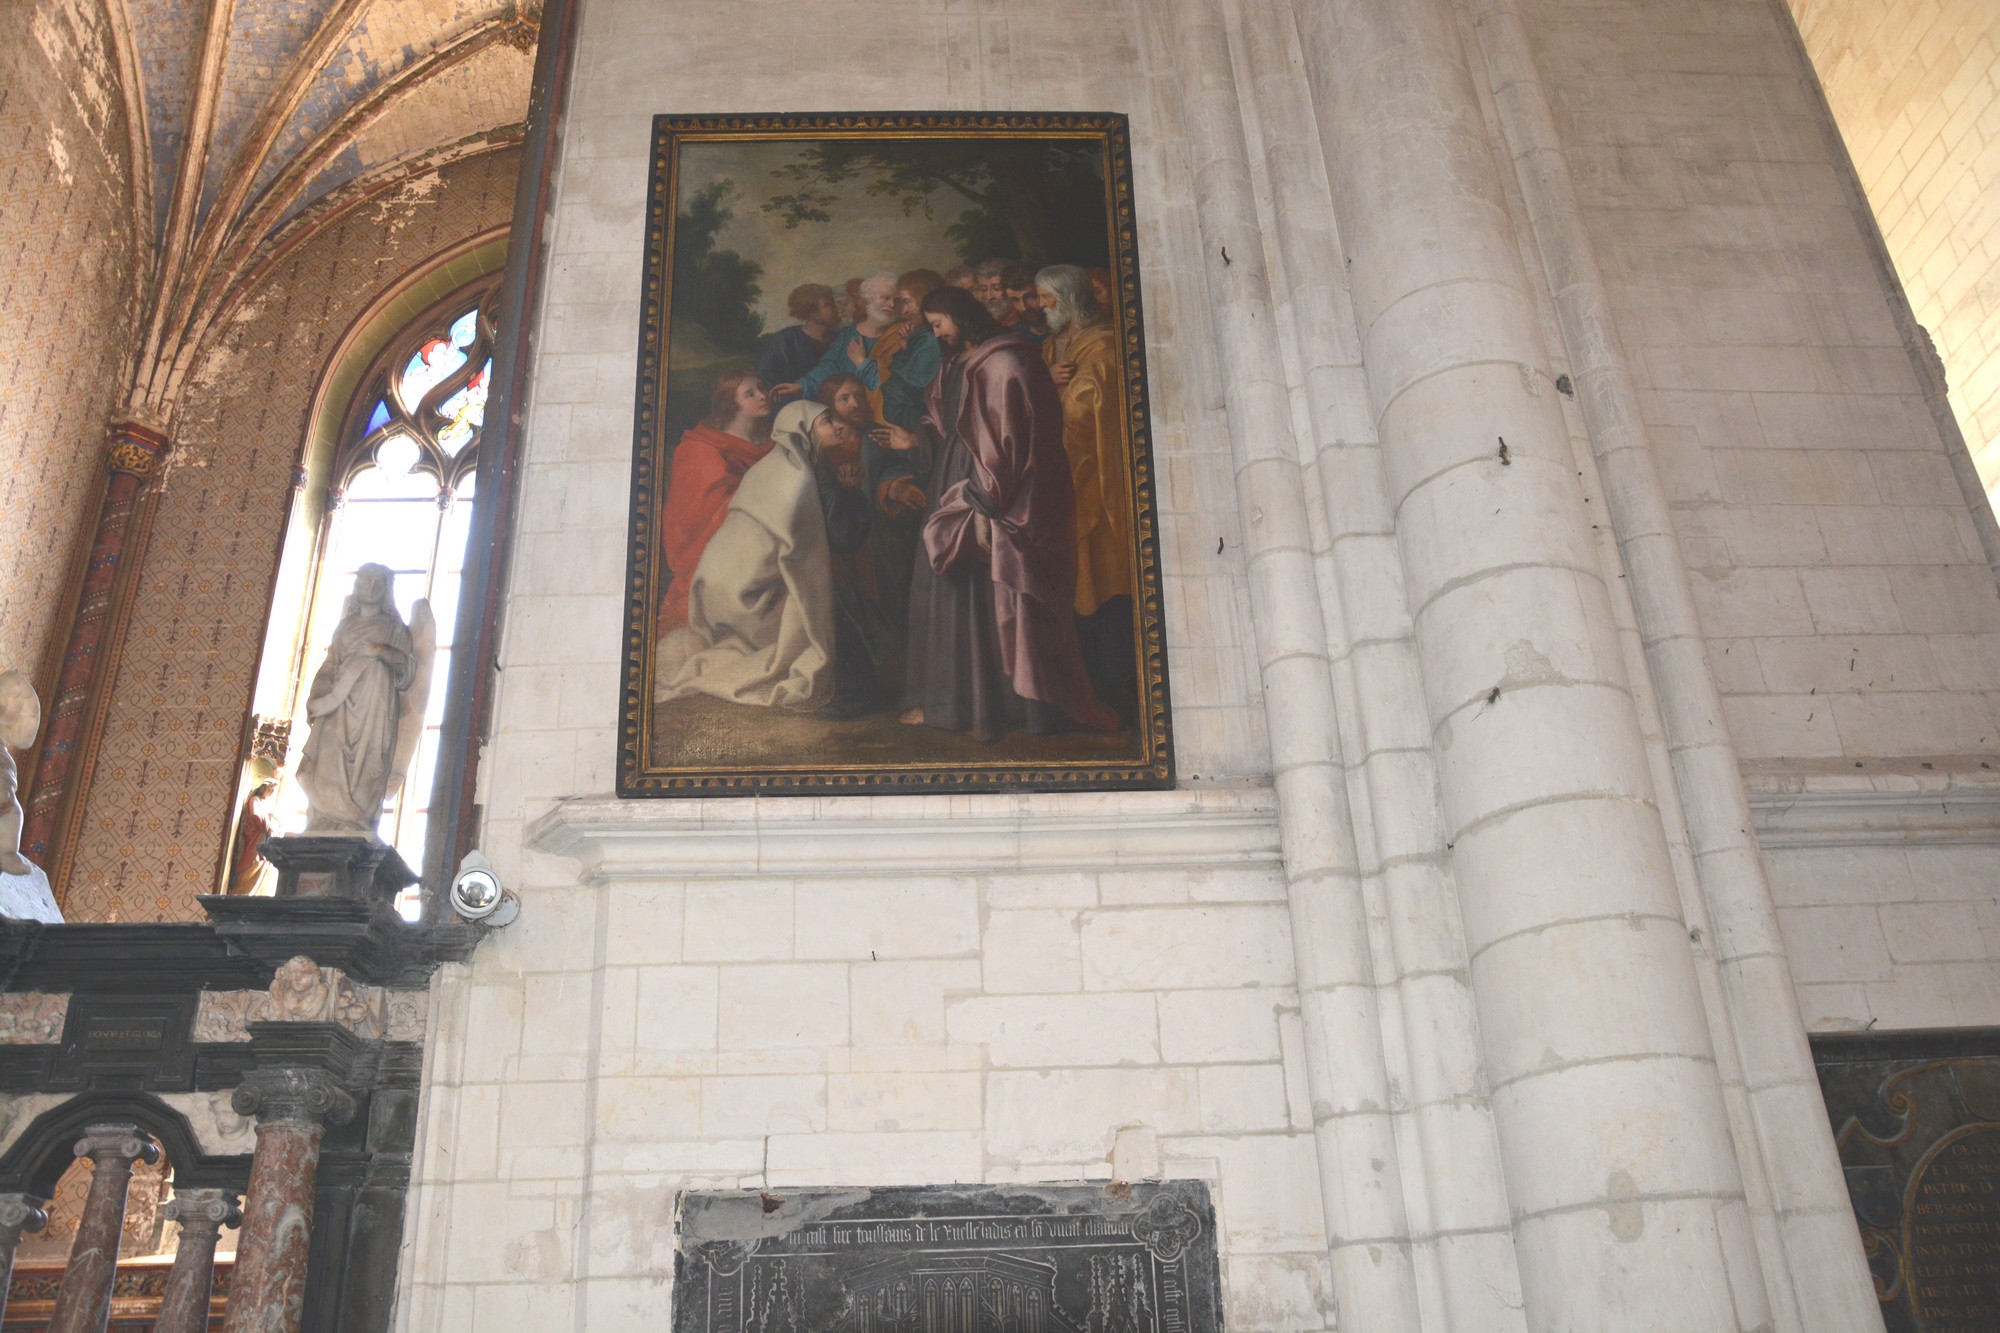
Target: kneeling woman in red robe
<point>708,465</point>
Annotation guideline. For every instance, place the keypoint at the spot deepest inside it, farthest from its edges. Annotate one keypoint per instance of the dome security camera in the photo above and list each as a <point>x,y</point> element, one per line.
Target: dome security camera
<point>477,896</point>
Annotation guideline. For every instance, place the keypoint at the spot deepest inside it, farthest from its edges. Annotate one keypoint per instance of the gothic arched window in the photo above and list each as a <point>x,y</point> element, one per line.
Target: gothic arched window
<point>395,489</point>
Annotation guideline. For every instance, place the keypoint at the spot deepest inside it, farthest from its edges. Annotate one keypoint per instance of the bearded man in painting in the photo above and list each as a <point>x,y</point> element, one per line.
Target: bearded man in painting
<point>853,347</point>
<point>992,639</point>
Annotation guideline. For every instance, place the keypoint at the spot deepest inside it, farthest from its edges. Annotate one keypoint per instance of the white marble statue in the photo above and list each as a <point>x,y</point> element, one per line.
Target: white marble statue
<point>20,723</point>
<point>366,707</point>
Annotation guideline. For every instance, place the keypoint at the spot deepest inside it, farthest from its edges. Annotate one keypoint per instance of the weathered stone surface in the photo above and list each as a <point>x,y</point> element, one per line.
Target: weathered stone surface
<point>1057,1258</point>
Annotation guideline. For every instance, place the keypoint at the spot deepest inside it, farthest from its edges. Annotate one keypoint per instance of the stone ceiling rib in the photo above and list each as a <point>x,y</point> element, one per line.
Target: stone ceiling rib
<point>187,197</point>
<point>271,120</point>
<point>139,140</point>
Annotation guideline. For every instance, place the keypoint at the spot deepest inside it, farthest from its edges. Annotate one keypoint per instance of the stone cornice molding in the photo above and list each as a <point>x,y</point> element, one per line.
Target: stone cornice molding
<point>1888,809</point>
<point>911,835</point>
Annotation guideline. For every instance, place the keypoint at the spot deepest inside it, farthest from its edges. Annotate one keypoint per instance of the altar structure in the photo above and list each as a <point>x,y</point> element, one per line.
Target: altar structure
<point>1572,905</point>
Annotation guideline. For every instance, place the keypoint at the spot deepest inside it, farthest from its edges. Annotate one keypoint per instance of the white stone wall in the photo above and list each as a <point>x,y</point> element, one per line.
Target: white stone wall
<point>750,993</point>
<point>1887,893</point>
<point>1835,562</point>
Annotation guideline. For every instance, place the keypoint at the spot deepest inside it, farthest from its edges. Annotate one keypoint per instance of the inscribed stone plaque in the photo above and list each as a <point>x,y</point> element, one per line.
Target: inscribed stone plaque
<point>953,1259</point>
<point>1917,1120</point>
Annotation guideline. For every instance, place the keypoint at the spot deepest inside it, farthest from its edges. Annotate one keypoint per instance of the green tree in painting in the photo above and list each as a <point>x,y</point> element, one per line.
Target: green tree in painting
<point>1029,199</point>
<point>715,289</point>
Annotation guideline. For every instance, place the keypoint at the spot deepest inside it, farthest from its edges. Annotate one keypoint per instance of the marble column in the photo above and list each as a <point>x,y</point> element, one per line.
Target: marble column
<point>267,1288</point>
<point>133,453</point>
<point>83,1300</point>
<point>1629,1209</point>
<point>20,1214</point>
<point>201,1214</point>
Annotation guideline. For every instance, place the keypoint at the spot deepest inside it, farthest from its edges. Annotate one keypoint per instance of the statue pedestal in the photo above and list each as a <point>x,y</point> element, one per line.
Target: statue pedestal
<point>28,897</point>
<point>317,865</point>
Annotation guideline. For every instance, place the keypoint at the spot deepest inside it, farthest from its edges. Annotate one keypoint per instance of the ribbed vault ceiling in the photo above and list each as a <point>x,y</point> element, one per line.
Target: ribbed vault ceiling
<point>247,113</point>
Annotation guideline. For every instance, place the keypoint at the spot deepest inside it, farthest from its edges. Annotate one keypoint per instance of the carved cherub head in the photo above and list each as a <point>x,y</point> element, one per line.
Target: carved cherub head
<point>298,990</point>
<point>20,710</point>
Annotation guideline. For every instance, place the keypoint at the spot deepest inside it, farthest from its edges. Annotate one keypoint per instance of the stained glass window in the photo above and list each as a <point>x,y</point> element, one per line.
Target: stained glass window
<point>400,494</point>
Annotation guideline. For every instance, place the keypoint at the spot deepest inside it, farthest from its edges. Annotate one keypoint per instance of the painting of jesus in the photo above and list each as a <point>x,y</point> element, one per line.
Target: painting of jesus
<point>892,488</point>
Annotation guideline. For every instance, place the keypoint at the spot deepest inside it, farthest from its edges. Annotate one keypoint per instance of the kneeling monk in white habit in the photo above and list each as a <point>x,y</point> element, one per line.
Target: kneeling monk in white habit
<point>761,610</point>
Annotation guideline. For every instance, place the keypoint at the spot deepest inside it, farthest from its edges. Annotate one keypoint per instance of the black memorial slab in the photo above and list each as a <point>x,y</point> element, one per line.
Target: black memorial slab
<point>1916,1117</point>
<point>950,1259</point>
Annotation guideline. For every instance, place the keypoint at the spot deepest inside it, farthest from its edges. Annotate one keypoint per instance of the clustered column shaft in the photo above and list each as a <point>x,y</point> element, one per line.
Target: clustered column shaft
<point>1360,1165</point>
<point>83,1300</point>
<point>1629,1209</point>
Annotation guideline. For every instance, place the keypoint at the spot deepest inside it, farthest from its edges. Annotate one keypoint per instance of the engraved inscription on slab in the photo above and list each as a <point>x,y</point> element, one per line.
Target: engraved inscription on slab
<point>953,1259</point>
<point>1917,1120</point>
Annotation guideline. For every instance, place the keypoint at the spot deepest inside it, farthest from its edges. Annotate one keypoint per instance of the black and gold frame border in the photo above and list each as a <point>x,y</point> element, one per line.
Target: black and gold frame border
<point>637,776</point>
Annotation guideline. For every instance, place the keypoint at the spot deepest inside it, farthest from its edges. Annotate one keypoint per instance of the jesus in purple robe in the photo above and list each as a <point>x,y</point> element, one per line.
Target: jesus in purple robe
<point>992,640</point>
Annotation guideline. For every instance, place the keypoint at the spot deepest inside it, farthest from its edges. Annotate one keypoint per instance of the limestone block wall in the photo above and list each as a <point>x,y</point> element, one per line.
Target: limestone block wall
<point>920,994</point>
<point>1912,87</point>
<point>66,285</point>
<point>1887,894</point>
<point>1835,563</point>
<point>159,803</point>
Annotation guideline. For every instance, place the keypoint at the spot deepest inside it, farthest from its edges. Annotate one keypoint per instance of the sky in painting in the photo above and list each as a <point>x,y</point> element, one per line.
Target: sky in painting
<point>881,240</point>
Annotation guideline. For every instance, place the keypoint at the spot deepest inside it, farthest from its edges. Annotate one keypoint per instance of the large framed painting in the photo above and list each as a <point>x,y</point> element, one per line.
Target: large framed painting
<point>892,518</point>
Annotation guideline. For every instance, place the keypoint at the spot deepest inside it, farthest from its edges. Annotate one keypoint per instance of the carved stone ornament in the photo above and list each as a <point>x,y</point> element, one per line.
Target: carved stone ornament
<point>32,1018</point>
<point>299,1096</point>
<point>409,1014</point>
<point>19,1215</point>
<point>225,1015</point>
<point>304,992</point>
<point>205,1208</point>
<point>117,1143</point>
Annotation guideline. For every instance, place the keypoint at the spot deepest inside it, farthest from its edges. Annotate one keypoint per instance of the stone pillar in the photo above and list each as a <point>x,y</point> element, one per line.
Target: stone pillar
<point>1361,1186</point>
<point>267,1289</point>
<point>1460,1225</point>
<point>1814,1265</point>
<point>20,1214</point>
<point>83,1301</point>
<point>202,1214</point>
<point>1629,1210</point>
<point>134,452</point>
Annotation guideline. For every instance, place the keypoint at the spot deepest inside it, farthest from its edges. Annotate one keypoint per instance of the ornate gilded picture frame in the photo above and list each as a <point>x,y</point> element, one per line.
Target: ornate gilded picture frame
<point>893,521</point>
